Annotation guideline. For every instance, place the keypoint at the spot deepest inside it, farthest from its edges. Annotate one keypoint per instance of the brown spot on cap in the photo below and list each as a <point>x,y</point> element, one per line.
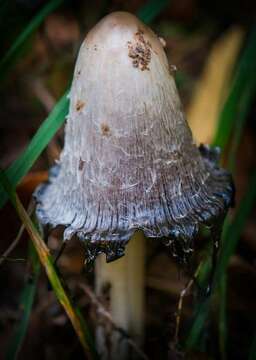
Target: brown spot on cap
<point>81,164</point>
<point>140,51</point>
<point>79,105</point>
<point>105,129</point>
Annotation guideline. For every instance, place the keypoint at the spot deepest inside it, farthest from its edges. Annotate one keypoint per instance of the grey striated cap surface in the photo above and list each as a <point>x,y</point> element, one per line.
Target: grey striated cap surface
<point>129,160</point>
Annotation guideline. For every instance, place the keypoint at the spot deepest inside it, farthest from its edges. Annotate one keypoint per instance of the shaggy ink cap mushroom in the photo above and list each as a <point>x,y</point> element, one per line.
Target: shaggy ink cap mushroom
<point>129,161</point>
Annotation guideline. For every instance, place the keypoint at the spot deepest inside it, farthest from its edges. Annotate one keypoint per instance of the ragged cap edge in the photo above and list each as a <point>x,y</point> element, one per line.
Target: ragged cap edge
<point>180,236</point>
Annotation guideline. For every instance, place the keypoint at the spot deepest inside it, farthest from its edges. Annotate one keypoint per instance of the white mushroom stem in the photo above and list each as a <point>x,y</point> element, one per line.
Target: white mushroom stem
<point>126,278</point>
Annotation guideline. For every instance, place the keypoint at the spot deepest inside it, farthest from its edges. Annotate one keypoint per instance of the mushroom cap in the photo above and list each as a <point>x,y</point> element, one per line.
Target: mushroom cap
<point>129,160</point>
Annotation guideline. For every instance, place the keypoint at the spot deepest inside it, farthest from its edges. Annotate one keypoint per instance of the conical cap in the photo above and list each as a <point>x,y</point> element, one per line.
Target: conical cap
<point>129,160</point>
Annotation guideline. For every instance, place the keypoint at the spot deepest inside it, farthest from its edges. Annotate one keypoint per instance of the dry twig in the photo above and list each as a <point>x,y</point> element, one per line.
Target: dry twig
<point>183,293</point>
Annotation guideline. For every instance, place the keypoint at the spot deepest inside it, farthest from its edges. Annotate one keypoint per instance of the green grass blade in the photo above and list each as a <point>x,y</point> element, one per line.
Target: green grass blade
<point>244,78</point>
<point>26,303</point>
<point>236,228</point>
<point>151,9</point>
<point>244,106</point>
<point>40,140</point>
<point>247,94</point>
<point>21,39</point>
<point>230,239</point>
<point>72,311</point>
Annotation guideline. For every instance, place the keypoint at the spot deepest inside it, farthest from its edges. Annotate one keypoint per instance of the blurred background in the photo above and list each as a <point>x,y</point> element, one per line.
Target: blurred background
<point>211,47</point>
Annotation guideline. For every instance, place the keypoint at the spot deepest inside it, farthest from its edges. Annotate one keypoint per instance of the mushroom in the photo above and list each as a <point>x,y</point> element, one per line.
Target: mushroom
<point>129,162</point>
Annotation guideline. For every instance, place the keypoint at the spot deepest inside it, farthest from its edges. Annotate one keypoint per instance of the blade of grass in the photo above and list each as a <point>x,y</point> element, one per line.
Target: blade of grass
<point>72,312</point>
<point>236,228</point>
<point>44,134</point>
<point>21,39</point>
<point>244,106</point>
<point>26,303</point>
<point>243,77</point>
<point>230,239</point>
<point>151,9</point>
